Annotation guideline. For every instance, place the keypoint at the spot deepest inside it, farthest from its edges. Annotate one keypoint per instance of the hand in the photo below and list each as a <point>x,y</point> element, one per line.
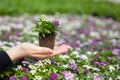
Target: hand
<point>31,50</point>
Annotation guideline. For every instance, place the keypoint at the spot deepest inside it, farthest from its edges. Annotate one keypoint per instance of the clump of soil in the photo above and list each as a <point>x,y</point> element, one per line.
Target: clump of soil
<point>47,41</point>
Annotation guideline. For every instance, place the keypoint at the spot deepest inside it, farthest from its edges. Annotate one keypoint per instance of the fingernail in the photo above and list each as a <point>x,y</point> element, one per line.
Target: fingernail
<point>50,52</point>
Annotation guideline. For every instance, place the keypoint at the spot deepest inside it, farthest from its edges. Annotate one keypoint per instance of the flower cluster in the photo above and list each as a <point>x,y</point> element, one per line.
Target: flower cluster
<point>45,27</point>
<point>95,52</point>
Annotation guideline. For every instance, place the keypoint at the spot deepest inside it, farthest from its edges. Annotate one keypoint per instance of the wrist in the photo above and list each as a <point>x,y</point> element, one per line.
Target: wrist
<point>15,52</point>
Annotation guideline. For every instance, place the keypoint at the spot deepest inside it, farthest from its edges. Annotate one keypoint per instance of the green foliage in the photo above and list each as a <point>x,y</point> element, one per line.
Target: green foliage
<point>95,7</point>
<point>6,72</point>
<point>44,27</point>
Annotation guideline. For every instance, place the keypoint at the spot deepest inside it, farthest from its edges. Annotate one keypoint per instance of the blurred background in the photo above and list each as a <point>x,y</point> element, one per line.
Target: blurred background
<point>104,8</point>
<point>87,25</point>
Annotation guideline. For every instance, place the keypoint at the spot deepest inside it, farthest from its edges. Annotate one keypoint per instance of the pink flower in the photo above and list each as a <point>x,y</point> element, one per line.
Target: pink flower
<point>86,71</point>
<point>118,56</point>
<point>53,76</point>
<point>109,58</point>
<point>96,55</point>
<point>97,77</point>
<point>12,78</point>
<point>115,51</point>
<point>25,69</point>
<point>24,78</point>
<point>56,23</point>
<point>67,75</point>
<point>17,32</point>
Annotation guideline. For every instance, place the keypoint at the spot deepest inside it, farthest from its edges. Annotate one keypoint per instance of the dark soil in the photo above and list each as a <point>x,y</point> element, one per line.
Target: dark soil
<point>47,41</point>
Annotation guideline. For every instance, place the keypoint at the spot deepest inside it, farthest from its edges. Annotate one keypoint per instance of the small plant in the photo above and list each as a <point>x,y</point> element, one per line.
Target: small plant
<point>47,31</point>
<point>45,27</point>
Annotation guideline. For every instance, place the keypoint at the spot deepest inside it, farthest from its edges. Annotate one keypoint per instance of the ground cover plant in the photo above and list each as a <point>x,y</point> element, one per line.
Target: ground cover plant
<point>95,52</point>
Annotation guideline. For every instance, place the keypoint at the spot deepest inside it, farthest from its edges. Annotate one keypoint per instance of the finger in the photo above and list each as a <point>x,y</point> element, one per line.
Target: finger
<point>44,50</point>
<point>56,52</point>
<point>60,50</point>
<point>63,46</point>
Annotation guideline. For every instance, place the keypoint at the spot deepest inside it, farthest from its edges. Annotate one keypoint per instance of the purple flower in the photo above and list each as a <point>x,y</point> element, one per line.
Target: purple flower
<point>53,76</point>
<point>104,63</point>
<point>6,36</point>
<point>97,77</point>
<point>17,32</point>
<point>118,56</point>
<point>96,55</point>
<point>67,75</point>
<point>109,58</point>
<point>88,49</point>
<point>24,78</point>
<point>102,49</point>
<point>96,62</point>
<point>12,78</point>
<point>86,71</point>
<point>42,79</point>
<point>25,69</point>
<point>56,23</point>
<point>76,36</point>
<point>94,42</point>
<point>55,63</point>
<point>84,31</point>
<point>73,66</point>
<point>118,45</point>
<point>115,51</point>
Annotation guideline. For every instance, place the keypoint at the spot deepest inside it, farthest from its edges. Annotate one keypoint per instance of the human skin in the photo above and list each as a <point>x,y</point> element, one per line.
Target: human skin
<point>33,51</point>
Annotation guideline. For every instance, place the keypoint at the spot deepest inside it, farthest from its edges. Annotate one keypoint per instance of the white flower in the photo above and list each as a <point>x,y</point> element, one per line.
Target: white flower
<point>38,64</point>
<point>43,70</point>
<point>48,61</point>
<point>111,68</point>
<point>110,78</point>
<point>75,52</point>
<point>44,18</point>
<point>38,78</point>
<point>11,44</point>
<point>1,43</point>
<point>118,77</point>
<point>95,34</point>
<point>19,67</point>
<point>83,57</point>
<point>96,69</point>
<point>89,52</point>
<point>64,56</point>
<point>95,52</point>
<point>65,66</point>
<point>31,66</point>
<point>82,36</point>
<point>33,72</point>
<point>87,66</point>
<point>117,66</point>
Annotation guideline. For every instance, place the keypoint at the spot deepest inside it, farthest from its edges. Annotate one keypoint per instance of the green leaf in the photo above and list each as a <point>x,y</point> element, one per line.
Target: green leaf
<point>43,35</point>
<point>47,31</point>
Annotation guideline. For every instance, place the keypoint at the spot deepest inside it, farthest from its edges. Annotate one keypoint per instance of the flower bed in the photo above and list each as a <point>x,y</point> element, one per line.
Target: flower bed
<point>95,52</point>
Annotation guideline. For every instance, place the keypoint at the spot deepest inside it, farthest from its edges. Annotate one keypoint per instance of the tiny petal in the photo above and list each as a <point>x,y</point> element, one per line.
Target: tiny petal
<point>56,23</point>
